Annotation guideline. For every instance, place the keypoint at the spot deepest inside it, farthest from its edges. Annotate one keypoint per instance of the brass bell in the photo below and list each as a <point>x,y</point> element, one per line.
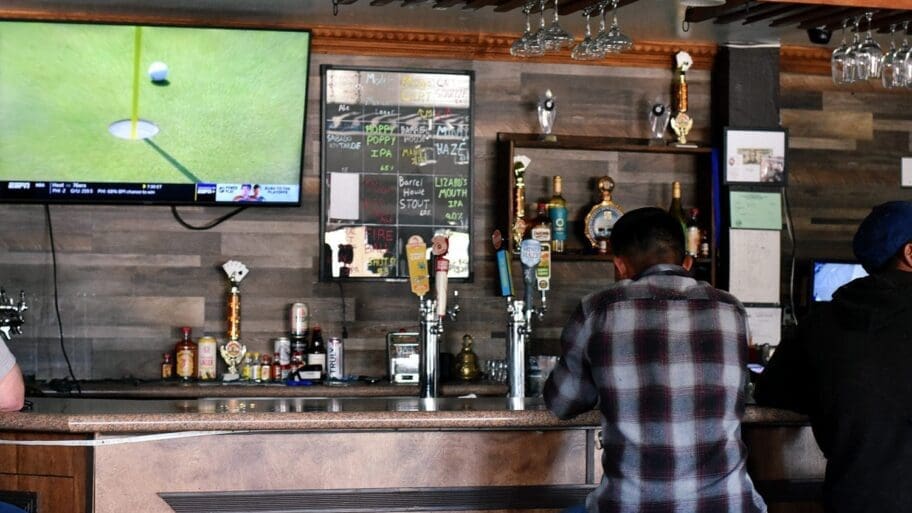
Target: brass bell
<point>467,360</point>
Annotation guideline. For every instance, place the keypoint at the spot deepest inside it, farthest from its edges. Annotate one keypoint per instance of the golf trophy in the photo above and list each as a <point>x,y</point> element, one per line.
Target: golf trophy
<point>659,115</point>
<point>233,351</point>
<point>681,123</point>
<point>547,110</point>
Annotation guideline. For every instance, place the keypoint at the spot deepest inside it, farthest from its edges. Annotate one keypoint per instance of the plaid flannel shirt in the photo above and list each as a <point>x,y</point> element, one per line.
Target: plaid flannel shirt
<point>663,357</point>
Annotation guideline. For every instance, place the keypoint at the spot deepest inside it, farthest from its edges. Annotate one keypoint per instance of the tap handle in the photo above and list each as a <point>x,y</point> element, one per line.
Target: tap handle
<point>530,256</point>
<point>23,306</point>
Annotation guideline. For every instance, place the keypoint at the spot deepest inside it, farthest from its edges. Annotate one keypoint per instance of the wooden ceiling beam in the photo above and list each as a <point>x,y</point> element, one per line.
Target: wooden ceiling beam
<point>799,16</point>
<point>698,14</point>
<point>882,23</point>
<point>509,5</point>
<point>777,10</point>
<point>744,13</point>
<point>835,15</point>
<point>446,4</point>
<point>478,4</point>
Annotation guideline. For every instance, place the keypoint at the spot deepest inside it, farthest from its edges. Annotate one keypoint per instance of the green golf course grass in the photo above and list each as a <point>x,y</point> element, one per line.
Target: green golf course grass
<point>233,111</point>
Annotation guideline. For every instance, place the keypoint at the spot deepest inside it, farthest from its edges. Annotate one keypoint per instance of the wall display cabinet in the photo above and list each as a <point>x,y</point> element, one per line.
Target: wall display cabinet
<point>643,173</point>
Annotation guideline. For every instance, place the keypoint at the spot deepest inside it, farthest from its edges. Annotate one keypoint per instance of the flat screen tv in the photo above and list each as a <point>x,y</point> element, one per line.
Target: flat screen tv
<point>103,113</point>
<point>829,275</point>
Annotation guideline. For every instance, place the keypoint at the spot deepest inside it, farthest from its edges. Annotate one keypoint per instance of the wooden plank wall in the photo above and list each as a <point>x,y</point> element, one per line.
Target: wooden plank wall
<point>845,151</point>
<point>130,276</point>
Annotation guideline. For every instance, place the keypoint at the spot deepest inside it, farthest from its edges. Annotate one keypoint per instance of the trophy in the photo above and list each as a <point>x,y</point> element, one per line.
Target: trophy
<point>233,351</point>
<point>518,228</point>
<point>681,123</point>
<point>547,109</point>
<point>659,114</point>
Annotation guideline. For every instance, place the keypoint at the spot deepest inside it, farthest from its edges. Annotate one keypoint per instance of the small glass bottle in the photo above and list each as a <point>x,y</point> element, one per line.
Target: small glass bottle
<point>694,235</point>
<point>185,354</point>
<point>541,227</point>
<point>167,367</point>
<point>675,208</point>
<point>317,353</point>
<point>247,367</point>
<point>265,368</point>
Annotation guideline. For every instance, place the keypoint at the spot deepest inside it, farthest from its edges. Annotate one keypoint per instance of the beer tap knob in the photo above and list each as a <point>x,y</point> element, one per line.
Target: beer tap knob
<point>23,306</point>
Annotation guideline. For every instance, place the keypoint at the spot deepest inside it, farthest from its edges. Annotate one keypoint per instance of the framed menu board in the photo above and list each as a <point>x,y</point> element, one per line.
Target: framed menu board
<point>396,162</point>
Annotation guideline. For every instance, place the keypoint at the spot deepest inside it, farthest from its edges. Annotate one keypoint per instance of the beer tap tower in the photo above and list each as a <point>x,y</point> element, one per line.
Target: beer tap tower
<point>520,312</point>
<point>431,311</point>
<point>11,320</point>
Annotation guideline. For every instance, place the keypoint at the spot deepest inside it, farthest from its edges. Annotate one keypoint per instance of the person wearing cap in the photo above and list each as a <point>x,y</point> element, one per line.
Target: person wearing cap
<point>663,357</point>
<point>848,369</point>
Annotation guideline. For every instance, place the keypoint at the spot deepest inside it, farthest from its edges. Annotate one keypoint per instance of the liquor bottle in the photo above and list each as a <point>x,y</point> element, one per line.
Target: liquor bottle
<point>167,371</point>
<point>316,355</point>
<point>557,211</point>
<point>541,227</point>
<point>185,354</point>
<point>600,220</point>
<point>675,208</point>
<point>694,236</point>
<point>265,368</point>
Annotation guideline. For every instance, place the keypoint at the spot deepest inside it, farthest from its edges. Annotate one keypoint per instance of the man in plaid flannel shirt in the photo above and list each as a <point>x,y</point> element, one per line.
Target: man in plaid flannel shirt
<point>663,357</point>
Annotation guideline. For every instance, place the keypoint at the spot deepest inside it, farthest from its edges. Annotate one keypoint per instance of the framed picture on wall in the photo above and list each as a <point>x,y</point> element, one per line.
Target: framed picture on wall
<point>756,157</point>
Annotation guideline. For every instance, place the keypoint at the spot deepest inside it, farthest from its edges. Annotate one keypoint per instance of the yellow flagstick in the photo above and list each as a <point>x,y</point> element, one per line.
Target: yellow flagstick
<point>137,44</point>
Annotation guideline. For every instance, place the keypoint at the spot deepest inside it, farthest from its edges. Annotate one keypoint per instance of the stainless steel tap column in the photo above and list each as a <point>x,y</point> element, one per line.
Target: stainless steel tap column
<point>428,344</point>
<point>517,334</point>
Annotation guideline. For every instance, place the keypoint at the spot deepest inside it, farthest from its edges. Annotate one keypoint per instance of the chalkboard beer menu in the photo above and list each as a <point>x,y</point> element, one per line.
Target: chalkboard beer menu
<point>396,162</point>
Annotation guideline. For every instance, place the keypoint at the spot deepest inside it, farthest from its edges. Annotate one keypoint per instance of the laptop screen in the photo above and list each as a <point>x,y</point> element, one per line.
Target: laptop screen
<point>830,275</point>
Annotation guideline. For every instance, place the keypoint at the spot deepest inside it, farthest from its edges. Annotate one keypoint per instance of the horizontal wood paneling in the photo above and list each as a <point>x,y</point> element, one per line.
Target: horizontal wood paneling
<point>846,144</point>
<point>130,276</point>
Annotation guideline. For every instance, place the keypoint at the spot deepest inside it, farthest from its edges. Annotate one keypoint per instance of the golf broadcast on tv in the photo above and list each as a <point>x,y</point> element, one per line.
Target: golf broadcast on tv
<point>149,114</point>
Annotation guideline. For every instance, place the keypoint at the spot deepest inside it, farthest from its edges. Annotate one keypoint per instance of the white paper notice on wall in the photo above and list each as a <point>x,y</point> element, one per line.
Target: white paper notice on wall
<point>754,262</point>
<point>344,191</point>
<point>765,325</point>
<point>907,172</point>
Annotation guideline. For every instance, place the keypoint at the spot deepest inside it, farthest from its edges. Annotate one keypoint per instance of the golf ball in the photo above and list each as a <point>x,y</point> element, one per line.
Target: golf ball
<point>158,71</point>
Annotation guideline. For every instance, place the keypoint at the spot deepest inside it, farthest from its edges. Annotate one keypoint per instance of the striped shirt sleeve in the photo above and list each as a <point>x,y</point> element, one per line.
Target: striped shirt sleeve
<point>570,389</point>
<point>7,360</point>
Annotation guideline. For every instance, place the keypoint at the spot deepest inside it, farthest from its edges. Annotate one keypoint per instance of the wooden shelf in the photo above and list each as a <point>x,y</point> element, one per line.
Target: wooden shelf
<point>579,142</point>
<point>636,150</point>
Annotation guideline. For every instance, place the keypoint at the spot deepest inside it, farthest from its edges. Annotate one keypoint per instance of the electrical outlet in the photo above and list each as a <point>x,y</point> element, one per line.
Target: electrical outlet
<point>906,180</point>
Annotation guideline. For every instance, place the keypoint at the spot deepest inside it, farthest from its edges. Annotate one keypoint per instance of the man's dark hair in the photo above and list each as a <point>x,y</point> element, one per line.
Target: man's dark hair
<point>648,236</point>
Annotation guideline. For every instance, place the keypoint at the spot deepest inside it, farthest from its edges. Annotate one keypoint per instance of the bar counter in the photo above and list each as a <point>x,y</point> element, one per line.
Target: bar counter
<point>140,389</point>
<point>367,452</point>
<point>81,415</point>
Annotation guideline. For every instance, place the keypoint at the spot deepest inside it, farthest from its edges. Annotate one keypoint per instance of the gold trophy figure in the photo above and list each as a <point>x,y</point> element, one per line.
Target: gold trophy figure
<point>681,123</point>
<point>518,229</point>
<point>233,351</point>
